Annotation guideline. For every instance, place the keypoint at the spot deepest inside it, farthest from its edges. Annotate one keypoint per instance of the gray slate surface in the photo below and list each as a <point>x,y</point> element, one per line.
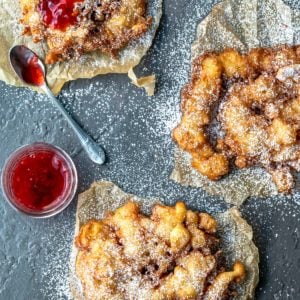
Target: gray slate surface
<point>134,131</point>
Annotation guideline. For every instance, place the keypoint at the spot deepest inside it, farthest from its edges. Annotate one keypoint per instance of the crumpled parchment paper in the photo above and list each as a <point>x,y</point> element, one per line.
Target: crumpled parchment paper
<point>240,24</point>
<point>235,233</point>
<point>88,66</point>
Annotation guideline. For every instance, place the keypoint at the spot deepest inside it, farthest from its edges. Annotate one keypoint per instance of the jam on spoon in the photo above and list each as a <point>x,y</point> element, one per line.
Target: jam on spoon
<point>33,72</point>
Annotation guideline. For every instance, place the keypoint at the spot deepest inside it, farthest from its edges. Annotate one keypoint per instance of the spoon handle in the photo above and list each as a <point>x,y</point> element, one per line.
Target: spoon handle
<point>94,151</point>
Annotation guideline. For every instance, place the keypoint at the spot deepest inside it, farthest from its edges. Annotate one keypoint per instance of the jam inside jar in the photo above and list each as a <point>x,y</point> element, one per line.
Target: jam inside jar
<point>39,179</point>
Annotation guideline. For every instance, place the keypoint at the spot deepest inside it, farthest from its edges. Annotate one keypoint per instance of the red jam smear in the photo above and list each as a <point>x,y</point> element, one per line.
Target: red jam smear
<point>39,180</point>
<point>58,14</point>
<point>32,72</point>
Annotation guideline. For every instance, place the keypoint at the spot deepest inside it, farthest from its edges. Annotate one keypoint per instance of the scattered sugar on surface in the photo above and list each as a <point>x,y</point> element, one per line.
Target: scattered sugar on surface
<point>55,267</point>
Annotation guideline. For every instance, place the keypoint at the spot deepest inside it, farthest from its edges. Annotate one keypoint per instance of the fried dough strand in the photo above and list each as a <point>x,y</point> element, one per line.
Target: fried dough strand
<point>170,255</point>
<point>259,104</point>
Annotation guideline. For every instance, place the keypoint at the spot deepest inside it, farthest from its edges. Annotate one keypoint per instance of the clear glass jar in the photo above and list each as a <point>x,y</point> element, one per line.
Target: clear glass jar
<point>39,180</point>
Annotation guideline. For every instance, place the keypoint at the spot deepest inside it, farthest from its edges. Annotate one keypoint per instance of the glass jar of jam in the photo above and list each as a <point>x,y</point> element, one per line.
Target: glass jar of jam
<point>39,180</point>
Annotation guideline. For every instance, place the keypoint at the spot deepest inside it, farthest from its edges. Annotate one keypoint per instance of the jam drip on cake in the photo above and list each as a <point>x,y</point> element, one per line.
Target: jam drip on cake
<point>59,14</point>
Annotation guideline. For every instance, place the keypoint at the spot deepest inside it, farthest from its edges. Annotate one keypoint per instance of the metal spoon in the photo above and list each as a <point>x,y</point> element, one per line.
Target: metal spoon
<point>21,59</point>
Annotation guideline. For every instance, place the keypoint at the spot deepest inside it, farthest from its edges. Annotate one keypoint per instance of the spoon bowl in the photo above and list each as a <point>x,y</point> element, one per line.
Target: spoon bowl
<point>27,65</point>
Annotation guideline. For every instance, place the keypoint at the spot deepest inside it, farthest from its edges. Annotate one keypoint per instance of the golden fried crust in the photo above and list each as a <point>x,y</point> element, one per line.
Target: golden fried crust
<point>258,97</point>
<point>108,27</point>
<point>170,255</point>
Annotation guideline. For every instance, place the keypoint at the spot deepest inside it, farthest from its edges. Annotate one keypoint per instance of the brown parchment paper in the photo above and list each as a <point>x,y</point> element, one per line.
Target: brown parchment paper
<point>235,233</point>
<point>240,24</point>
<point>89,65</point>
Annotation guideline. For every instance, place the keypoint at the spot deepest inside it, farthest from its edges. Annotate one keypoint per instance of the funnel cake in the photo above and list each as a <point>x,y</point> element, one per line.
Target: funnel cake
<point>243,108</point>
<point>74,27</point>
<point>173,254</point>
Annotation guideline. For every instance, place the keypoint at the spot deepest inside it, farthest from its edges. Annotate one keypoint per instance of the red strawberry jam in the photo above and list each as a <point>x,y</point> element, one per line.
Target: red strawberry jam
<point>58,14</point>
